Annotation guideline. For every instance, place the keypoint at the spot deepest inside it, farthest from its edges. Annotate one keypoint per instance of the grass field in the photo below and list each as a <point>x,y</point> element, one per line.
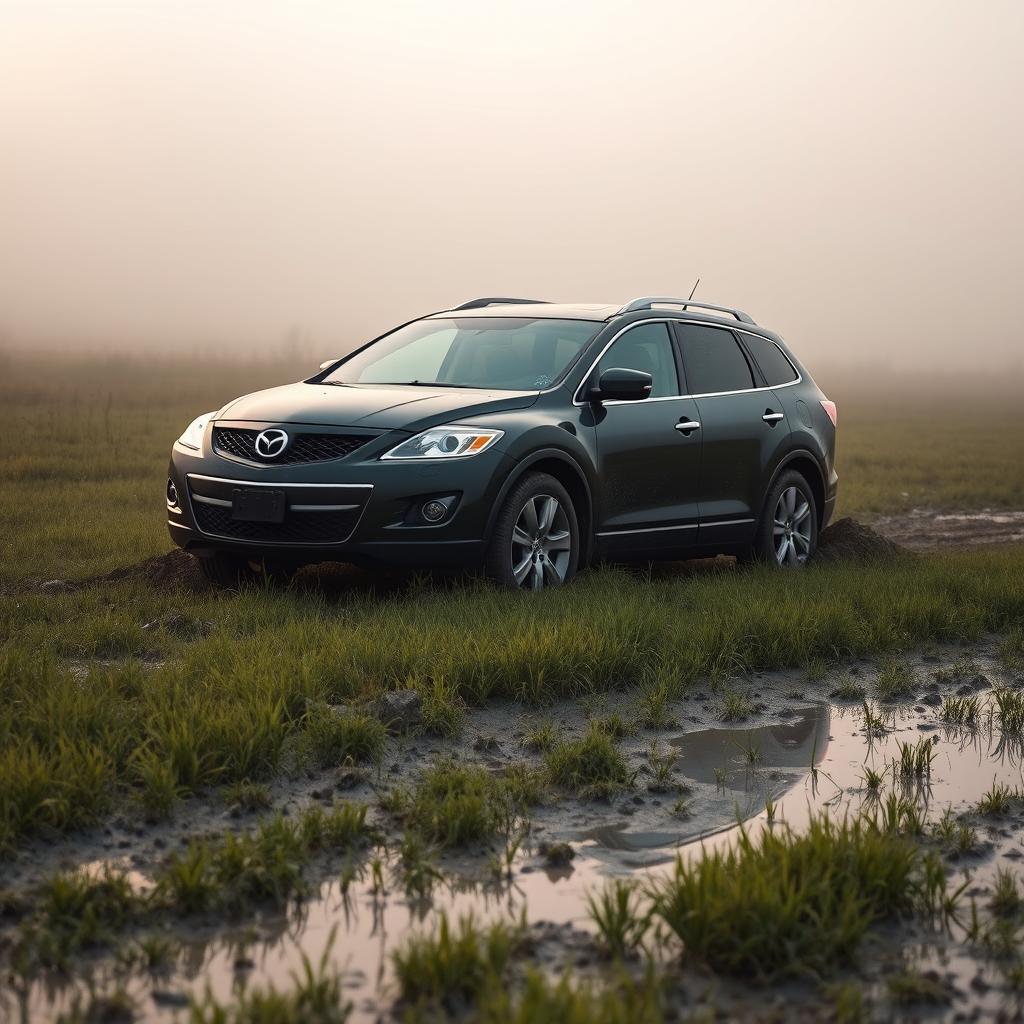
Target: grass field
<point>81,485</point>
<point>133,700</point>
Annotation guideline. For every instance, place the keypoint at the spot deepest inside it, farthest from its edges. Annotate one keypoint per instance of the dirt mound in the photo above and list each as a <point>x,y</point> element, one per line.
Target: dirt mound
<point>846,540</point>
<point>172,571</point>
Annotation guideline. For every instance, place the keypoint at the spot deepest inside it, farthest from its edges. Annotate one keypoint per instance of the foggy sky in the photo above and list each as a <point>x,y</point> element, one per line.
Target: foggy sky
<point>185,174</point>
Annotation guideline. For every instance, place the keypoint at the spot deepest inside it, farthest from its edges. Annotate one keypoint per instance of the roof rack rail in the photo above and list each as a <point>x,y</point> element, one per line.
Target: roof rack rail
<point>666,300</point>
<point>482,303</point>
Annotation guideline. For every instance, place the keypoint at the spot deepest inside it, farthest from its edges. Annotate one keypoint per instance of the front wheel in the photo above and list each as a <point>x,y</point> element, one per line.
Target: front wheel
<point>787,535</point>
<point>536,540</point>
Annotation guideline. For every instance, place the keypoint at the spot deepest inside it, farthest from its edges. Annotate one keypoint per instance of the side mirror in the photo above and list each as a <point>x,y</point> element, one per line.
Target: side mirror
<point>330,362</point>
<point>618,384</point>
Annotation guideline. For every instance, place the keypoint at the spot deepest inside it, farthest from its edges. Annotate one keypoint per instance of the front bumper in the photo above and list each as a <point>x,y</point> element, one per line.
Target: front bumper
<point>357,509</point>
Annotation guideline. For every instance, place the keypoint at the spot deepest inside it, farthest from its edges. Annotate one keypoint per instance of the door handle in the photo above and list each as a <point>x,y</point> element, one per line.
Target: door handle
<point>686,426</point>
<point>772,417</point>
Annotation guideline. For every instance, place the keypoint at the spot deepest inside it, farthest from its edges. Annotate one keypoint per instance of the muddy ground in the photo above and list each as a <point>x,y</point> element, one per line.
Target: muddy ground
<point>797,747</point>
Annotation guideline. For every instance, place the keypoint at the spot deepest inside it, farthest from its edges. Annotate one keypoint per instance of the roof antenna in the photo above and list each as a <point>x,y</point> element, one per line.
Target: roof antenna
<point>693,289</point>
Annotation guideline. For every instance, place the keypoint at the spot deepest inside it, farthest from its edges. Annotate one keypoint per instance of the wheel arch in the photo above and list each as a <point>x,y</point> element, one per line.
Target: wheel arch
<point>568,472</point>
<point>805,463</point>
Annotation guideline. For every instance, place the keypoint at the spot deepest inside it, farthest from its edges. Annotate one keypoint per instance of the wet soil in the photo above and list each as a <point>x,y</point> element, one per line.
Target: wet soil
<point>922,529</point>
<point>798,749</point>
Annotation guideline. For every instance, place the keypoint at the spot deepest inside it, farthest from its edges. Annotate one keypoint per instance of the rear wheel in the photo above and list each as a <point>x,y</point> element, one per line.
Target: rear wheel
<point>536,542</point>
<point>787,535</point>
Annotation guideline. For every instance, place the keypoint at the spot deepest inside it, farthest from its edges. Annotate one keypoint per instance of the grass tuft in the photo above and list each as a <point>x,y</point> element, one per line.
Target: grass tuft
<point>787,904</point>
<point>735,707</point>
<point>621,921</point>
<point>848,689</point>
<point>590,766</point>
<point>896,680</point>
<point>455,965</point>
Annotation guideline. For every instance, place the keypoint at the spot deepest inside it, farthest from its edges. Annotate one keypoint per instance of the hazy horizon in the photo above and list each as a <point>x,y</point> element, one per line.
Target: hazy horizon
<point>247,176</point>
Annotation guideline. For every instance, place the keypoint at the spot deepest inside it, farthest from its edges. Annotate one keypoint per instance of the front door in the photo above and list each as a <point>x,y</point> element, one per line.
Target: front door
<point>648,451</point>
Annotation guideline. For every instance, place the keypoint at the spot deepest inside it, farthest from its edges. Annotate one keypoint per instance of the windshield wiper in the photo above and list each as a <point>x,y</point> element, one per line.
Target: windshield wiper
<point>431,384</point>
<point>405,384</point>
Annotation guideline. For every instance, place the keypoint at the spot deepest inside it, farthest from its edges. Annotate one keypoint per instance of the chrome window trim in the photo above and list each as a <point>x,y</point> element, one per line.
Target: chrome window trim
<point>668,398</point>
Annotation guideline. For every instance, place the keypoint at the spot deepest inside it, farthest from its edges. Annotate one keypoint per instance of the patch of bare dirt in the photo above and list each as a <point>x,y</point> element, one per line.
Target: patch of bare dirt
<point>847,540</point>
<point>924,528</point>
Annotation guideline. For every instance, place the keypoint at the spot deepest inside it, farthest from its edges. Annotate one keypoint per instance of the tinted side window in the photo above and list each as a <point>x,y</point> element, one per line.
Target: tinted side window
<point>646,348</point>
<point>714,360</point>
<point>776,368</point>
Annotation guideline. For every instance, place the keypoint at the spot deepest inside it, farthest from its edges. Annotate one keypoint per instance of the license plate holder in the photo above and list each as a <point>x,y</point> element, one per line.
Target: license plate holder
<point>257,505</point>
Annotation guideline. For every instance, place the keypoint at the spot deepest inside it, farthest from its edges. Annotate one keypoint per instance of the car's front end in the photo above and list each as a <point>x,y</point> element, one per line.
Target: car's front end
<point>331,491</point>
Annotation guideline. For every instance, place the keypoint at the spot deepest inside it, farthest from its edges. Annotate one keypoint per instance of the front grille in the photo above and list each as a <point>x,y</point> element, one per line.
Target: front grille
<point>302,448</point>
<point>328,527</point>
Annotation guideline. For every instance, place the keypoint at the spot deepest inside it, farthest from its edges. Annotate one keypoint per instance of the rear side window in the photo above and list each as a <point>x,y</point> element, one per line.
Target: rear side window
<point>777,369</point>
<point>713,360</point>
<point>646,348</point>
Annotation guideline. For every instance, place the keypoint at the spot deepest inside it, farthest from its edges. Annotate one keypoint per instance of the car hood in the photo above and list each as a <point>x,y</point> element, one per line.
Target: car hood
<point>387,406</point>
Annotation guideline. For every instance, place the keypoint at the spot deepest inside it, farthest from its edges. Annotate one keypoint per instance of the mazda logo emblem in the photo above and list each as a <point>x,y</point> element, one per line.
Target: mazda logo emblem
<point>270,443</point>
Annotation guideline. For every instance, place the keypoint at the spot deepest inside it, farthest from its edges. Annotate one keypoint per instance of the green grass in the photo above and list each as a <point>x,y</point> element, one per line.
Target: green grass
<point>960,710</point>
<point>591,765</point>
<point>453,804</point>
<point>455,965</point>
<point>72,913</point>
<point>998,800</point>
<point>1011,650</point>
<point>266,866</point>
<point>786,904</point>
<point>848,689</point>
<point>217,695</point>
<point>897,451</point>
<point>915,760</point>
<point>330,738</point>
<point>735,707</point>
<point>1009,710</point>
<point>1005,900</point>
<point>542,736</point>
<point>617,913</point>
<point>896,680</point>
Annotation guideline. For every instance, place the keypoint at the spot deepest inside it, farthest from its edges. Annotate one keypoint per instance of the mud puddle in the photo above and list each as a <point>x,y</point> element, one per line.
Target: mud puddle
<point>763,776</point>
<point>922,529</point>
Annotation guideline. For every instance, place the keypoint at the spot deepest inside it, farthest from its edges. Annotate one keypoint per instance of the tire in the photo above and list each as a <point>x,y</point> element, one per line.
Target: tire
<point>787,535</point>
<point>229,571</point>
<point>535,545</point>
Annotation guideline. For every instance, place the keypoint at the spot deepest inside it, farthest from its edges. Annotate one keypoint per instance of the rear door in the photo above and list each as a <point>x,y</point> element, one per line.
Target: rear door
<point>743,428</point>
<point>648,451</point>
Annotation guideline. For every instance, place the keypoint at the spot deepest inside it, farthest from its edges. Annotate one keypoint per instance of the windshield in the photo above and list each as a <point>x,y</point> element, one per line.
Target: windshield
<point>507,354</point>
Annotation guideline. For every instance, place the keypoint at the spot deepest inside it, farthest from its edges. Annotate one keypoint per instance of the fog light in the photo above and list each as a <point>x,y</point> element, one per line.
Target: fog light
<point>172,495</point>
<point>434,511</point>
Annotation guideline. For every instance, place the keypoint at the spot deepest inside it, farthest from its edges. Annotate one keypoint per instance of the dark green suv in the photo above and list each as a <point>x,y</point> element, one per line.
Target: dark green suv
<point>526,438</point>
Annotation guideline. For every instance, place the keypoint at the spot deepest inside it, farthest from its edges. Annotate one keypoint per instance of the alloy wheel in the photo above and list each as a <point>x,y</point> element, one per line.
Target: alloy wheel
<point>541,544</point>
<point>792,529</point>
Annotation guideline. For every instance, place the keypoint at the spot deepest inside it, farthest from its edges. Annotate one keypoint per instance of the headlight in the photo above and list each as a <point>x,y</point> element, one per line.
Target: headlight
<point>193,435</point>
<point>445,443</point>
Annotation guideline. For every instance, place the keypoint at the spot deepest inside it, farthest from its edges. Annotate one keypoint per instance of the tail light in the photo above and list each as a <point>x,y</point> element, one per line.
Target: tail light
<point>830,409</point>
